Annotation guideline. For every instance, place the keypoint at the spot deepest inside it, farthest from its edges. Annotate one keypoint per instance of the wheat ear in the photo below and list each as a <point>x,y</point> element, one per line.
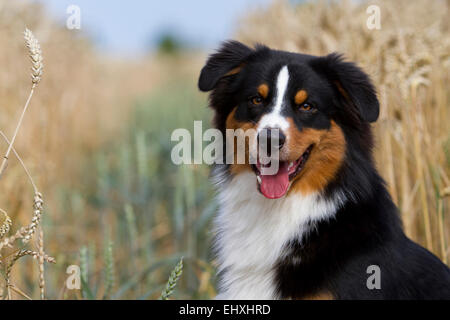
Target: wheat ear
<point>6,225</point>
<point>35,53</point>
<point>172,282</point>
<point>22,253</point>
<point>26,233</point>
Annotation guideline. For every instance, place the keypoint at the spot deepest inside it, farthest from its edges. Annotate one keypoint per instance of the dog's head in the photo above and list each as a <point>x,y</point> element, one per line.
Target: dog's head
<point>319,107</point>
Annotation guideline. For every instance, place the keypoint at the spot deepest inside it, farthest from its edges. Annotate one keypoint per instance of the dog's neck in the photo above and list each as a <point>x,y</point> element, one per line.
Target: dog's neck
<point>252,233</point>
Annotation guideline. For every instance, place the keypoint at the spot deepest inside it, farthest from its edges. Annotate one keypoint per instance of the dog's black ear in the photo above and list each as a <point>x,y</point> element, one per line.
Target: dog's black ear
<point>228,60</point>
<point>352,83</point>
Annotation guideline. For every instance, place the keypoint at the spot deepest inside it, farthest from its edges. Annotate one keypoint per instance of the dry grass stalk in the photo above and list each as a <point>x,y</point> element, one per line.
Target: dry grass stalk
<point>19,292</point>
<point>41,257</point>
<point>35,53</point>
<point>24,233</point>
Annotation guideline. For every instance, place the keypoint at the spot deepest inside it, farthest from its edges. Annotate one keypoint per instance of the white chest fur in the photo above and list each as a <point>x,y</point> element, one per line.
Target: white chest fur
<point>253,230</point>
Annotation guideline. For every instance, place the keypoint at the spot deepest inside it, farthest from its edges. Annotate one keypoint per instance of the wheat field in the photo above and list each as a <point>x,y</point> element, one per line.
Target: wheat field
<point>96,140</point>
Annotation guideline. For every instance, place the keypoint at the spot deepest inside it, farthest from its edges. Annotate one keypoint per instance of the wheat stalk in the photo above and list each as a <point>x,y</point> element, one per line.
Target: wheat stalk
<point>35,53</point>
<point>22,253</point>
<point>40,246</point>
<point>25,233</point>
<point>21,163</point>
<point>109,269</point>
<point>18,291</point>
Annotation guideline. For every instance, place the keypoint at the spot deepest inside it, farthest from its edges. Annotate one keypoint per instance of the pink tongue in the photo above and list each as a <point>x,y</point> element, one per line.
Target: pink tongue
<point>275,186</point>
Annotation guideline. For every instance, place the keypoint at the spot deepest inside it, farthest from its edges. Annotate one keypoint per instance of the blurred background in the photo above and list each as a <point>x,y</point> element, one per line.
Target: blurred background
<point>96,138</point>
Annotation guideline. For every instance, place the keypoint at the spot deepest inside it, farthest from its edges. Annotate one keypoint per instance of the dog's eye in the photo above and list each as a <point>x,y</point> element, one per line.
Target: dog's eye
<point>306,107</point>
<point>256,100</point>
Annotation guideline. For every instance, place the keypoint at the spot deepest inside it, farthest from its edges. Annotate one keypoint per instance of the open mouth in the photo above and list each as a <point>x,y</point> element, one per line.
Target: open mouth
<point>274,186</point>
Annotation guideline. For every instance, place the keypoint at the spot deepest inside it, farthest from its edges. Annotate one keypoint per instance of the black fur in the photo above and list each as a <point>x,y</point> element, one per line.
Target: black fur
<point>353,81</point>
<point>367,230</point>
<point>230,56</point>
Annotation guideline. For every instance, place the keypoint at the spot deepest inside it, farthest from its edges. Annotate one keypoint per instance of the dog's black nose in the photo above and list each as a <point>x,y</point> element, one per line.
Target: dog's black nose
<point>271,138</point>
<point>281,139</point>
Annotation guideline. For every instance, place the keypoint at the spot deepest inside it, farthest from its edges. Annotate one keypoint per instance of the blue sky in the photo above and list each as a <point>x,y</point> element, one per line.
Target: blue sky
<point>129,27</point>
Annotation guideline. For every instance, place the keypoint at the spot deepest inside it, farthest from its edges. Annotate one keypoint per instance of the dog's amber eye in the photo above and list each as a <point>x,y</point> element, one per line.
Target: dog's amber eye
<point>305,107</point>
<point>256,100</point>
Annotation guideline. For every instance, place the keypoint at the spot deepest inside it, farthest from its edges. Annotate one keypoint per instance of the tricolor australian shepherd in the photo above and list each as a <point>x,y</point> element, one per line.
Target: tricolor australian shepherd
<point>318,227</point>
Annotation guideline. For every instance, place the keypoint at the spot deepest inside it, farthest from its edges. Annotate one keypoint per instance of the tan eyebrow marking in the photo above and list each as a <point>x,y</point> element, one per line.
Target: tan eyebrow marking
<point>301,96</point>
<point>263,90</point>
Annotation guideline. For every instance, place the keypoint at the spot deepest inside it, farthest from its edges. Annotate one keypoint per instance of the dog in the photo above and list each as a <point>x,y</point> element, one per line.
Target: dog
<point>324,225</point>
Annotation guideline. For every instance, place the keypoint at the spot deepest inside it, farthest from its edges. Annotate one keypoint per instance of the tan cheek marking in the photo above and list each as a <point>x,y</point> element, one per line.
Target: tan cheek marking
<point>263,90</point>
<point>300,96</point>
<point>324,161</point>
<point>299,141</point>
<point>232,123</point>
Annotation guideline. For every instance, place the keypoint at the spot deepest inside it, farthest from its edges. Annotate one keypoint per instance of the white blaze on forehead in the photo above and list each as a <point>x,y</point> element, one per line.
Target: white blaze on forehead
<point>274,119</point>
